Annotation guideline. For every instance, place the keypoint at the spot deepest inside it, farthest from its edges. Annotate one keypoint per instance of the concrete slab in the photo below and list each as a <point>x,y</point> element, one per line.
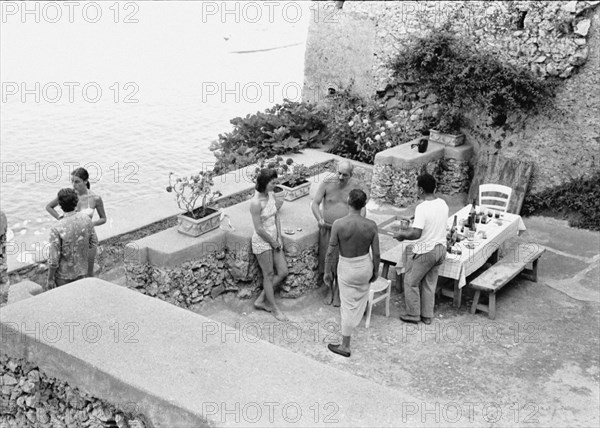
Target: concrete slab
<point>403,156</point>
<point>171,248</point>
<point>460,153</point>
<point>184,370</point>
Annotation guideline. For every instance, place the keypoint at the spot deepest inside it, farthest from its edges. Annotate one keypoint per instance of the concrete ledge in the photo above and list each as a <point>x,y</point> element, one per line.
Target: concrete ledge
<point>170,248</point>
<point>23,290</point>
<point>460,153</point>
<point>403,156</point>
<point>182,369</point>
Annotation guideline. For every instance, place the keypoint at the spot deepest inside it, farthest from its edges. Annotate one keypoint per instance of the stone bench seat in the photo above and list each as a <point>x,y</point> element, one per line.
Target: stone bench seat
<point>181,369</point>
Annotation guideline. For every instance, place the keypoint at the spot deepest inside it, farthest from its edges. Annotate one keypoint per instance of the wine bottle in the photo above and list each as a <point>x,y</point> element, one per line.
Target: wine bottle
<point>472,214</point>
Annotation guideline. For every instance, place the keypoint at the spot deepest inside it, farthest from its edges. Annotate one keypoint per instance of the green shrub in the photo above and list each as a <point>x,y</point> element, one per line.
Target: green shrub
<point>284,128</point>
<point>463,79</point>
<point>580,196</point>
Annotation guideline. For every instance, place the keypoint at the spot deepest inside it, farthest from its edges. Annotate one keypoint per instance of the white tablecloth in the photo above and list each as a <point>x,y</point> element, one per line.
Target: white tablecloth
<point>459,267</point>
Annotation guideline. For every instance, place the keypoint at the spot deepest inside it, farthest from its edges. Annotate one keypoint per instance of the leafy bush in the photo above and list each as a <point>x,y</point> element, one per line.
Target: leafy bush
<point>463,78</point>
<point>580,196</point>
<point>284,128</point>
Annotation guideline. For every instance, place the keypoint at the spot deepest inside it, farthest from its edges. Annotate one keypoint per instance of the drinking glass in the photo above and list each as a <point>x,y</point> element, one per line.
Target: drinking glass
<point>490,214</point>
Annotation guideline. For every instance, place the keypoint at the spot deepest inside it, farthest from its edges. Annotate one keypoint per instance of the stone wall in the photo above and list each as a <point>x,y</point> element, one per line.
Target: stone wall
<point>32,399</point>
<point>552,39</point>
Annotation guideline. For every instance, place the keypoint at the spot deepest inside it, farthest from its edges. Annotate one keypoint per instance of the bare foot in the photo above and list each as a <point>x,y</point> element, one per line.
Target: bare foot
<point>280,316</point>
<point>260,303</point>
<point>262,306</point>
<point>336,300</point>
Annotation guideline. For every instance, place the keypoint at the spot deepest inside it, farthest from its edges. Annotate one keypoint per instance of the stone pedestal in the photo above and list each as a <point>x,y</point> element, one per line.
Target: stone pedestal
<point>396,170</point>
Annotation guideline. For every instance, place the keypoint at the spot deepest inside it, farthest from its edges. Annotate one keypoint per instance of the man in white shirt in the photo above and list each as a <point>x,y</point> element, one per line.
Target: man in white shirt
<point>429,252</point>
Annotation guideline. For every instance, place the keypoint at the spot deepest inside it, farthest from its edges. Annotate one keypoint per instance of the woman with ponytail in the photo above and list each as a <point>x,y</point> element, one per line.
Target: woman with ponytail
<point>88,203</point>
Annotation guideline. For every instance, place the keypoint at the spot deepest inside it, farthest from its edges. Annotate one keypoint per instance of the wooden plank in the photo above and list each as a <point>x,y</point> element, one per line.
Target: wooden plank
<point>493,168</point>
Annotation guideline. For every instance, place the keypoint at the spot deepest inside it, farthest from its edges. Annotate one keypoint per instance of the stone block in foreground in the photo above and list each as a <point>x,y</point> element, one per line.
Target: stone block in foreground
<point>182,369</point>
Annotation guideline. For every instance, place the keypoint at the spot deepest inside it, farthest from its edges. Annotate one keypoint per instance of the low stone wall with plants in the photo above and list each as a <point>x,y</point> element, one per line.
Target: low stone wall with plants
<point>32,399</point>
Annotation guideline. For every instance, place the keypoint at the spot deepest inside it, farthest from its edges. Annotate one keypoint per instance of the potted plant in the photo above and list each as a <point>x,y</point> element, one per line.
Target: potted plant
<point>195,221</point>
<point>447,130</point>
<point>292,178</point>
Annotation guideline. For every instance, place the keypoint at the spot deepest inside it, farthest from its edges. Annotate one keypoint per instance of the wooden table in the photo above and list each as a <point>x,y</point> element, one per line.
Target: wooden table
<point>459,267</point>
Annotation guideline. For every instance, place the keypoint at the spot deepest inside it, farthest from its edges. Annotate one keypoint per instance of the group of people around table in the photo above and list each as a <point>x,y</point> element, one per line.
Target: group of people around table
<point>349,255</point>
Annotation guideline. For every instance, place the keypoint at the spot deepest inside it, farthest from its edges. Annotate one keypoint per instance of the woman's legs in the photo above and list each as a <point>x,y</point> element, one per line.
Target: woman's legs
<point>266,263</point>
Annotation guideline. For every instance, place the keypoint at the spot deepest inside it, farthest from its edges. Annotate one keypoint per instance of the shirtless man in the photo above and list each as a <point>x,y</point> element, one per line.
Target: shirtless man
<point>354,238</point>
<point>330,204</point>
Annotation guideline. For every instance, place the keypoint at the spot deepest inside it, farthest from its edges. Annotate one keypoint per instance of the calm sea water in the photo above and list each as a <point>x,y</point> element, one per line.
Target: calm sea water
<point>175,62</point>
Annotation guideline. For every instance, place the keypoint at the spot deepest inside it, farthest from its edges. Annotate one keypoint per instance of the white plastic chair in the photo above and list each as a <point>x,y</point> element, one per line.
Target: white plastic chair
<point>380,285</point>
<point>495,196</point>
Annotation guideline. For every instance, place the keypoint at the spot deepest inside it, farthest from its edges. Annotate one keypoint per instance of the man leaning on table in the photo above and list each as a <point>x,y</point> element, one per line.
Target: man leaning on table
<point>429,251</point>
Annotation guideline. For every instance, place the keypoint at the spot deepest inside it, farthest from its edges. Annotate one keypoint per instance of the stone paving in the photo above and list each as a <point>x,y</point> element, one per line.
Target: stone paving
<point>536,364</point>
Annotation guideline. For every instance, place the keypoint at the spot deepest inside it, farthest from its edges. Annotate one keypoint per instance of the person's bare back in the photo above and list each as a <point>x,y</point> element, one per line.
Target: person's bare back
<point>355,235</point>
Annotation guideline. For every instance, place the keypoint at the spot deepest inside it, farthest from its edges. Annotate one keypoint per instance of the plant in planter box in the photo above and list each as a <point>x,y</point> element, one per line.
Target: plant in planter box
<point>292,177</point>
<point>447,129</point>
<point>195,220</point>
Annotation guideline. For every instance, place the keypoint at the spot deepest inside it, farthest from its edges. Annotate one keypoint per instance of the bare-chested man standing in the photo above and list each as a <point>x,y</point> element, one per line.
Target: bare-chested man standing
<point>356,240</point>
<point>330,204</point>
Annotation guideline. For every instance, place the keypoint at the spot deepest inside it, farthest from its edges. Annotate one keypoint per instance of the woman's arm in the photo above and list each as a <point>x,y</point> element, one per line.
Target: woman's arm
<point>50,208</point>
<point>101,213</point>
<point>258,226</point>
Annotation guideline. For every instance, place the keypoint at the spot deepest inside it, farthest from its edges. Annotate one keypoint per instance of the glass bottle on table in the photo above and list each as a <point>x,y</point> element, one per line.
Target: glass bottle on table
<point>472,215</point>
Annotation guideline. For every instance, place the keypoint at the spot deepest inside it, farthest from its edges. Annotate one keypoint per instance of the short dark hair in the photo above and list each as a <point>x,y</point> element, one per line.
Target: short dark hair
<point>264,177</point>
<point>68,199</point>
<point>357,199</point>
<point>426,182</point>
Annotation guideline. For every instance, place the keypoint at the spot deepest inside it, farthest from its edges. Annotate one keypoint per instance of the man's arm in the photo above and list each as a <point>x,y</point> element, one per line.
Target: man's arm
<point>411,234</point>
<point>316,203</point>
<point>376,253</point>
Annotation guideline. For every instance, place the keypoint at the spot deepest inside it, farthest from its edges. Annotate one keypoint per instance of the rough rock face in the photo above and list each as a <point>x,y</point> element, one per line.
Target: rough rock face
<point>216,273</point>
<point>29,398</point>
<point>398,186</point>
<point>553,39</point>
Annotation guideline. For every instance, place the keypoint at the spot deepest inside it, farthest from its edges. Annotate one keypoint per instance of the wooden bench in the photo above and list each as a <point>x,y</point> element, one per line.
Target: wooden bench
<point>500,274</point>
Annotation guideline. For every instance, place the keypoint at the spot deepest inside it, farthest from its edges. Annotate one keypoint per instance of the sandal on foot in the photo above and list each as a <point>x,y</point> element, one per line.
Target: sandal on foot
<point>336,350</point>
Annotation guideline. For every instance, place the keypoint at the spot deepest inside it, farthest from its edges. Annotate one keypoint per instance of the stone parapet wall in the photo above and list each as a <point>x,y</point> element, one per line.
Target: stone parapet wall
<point>32,399</point>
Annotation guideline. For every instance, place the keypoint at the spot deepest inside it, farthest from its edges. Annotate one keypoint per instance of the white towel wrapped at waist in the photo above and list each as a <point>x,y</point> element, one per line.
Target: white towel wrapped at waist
<point>354,274</point>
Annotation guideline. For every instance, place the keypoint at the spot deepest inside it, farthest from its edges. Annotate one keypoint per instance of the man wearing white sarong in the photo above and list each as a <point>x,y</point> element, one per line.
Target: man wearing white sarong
<point>356,238</point>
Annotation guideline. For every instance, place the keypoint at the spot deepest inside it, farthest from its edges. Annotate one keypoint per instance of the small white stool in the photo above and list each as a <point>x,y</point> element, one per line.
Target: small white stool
<point>380,285</point>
